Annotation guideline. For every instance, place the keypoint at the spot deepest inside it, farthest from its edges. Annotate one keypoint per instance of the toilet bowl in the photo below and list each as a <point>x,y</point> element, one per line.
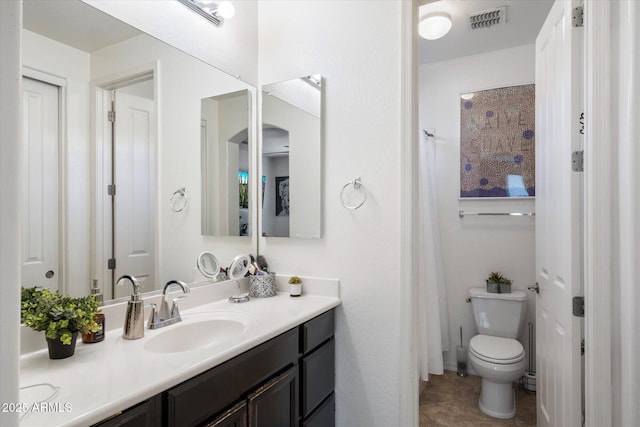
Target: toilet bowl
<point>494,353</point>
<point>499,361</point>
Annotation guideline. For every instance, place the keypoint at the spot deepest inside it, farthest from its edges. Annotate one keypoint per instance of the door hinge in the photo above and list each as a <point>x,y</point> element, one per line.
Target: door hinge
<point>111,116</point>
<point>111,264</point>
<point>578,16</point>
<point>582,347</point>
<point>577,161</point>
<point>578,306</point>
<point>111,189</point>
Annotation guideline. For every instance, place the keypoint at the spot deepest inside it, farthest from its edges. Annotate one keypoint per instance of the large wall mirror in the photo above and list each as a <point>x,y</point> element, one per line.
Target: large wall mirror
<point>79,65</point>
<point>225,121</point>
<point>292,158</point>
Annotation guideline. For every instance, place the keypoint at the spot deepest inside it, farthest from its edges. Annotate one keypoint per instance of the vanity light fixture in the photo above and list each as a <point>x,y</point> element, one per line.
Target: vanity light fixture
<point>214,11</point>
<point>434,25</point>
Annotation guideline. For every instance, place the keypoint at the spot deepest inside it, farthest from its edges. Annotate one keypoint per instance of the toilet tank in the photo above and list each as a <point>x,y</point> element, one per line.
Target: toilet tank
<point>499,315</point>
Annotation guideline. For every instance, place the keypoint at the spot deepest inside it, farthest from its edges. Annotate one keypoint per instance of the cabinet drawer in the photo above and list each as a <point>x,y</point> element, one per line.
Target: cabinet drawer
<point>200,398</point>
<point>324,416</point>
<point>318,376</point>
<point>316,331</point>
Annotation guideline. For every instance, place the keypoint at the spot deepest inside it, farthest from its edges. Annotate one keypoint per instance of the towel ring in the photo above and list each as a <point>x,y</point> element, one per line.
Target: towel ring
<point>357,185</point>
<point>177,195</point>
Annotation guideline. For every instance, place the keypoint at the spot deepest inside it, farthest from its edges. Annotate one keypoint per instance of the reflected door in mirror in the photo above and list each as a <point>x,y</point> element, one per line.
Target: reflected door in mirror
<point>39,190</point>
<point>224,139</point>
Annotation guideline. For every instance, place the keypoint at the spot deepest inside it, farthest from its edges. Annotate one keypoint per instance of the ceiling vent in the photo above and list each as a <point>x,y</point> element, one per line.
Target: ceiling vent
<point>488,18</point>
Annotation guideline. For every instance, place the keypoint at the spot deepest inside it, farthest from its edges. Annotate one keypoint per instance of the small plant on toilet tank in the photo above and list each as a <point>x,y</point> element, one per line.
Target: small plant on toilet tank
<point>498,284</point>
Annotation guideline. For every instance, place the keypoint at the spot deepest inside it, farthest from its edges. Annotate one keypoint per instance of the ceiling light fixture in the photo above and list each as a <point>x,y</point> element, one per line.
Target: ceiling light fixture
<point>434,25</point>
<point>214,11</point>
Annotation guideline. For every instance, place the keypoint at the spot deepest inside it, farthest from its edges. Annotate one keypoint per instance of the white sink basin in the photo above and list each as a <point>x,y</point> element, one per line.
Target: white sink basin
<point>196,334</point>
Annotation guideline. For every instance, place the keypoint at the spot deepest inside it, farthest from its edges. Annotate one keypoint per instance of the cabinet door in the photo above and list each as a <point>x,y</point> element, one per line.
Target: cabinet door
<point>234,417</point>
<point>275,404</point>
<point>146,414</point>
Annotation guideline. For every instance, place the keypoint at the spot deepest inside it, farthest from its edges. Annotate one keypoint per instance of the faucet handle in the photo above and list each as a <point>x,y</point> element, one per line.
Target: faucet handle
<point>175,313</point>
<point>153,317</point>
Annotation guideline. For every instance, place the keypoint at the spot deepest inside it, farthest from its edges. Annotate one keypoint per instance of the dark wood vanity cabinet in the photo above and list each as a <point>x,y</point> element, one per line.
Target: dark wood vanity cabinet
<point>234,417</point>
<point>317,372</point>
<point>287,381</point>
<point>145,414</point>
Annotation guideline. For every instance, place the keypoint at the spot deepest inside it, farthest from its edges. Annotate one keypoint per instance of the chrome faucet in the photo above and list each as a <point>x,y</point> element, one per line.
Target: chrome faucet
<point>134,319</point>
<point>167,316</point>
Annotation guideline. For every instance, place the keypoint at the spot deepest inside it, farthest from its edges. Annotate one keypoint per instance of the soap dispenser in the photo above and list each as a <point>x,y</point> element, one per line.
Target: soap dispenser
<point>134,320</point>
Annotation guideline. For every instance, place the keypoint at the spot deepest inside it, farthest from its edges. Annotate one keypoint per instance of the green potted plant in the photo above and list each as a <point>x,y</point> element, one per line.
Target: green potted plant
<point>498,284</point>
<point>295,286</point>
<point>61,317</point>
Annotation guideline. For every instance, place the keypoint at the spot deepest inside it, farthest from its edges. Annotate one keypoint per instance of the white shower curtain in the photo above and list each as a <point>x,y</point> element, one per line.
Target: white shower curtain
<point>433,329</point>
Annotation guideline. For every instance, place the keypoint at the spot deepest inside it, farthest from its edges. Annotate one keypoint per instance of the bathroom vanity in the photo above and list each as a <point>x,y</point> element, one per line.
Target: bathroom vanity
<point>288,380</point>
<point>277,369</point>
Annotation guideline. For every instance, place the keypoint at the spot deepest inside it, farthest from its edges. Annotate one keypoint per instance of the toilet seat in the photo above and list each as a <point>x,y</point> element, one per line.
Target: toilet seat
<point>498,350</point>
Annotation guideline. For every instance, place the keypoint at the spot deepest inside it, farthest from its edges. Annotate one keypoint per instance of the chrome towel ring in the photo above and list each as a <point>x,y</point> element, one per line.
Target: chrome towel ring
<point>357,185</point>
<point>178,200</point>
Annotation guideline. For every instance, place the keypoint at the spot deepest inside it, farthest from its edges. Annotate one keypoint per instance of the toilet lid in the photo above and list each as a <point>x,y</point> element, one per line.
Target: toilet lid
<point>496,349</point>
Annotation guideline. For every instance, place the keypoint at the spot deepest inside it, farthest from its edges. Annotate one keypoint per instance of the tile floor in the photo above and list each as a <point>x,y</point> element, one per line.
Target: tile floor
<point>450,400</point>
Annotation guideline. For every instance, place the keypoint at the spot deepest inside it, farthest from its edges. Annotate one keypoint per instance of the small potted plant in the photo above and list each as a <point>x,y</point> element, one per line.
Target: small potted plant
<point>61,317</point>
<point>295,286</point>
<point>498,284</point>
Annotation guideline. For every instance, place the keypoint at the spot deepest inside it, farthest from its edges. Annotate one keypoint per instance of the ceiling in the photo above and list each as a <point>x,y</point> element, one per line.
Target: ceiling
<point>524,20</point>
<point>75,24</point>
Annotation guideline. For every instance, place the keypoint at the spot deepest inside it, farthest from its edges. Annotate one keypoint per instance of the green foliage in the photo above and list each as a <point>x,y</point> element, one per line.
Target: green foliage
<point>58,315</point>
<point>498,278</point>
<point>294,280</point>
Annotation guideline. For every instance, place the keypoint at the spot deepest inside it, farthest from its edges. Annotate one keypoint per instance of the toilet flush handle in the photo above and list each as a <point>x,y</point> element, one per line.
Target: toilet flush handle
<point>534,288</point>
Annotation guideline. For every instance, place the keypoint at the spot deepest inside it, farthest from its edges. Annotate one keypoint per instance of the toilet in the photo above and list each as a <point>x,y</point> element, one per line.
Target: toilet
<point>495,354</point>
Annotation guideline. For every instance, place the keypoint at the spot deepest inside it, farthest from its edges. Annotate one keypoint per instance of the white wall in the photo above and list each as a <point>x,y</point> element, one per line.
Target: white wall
<point>52,57</point>
<point>10,174</point>
<point>475,246</point>
<point>358,49</point>
<point>182,82</point>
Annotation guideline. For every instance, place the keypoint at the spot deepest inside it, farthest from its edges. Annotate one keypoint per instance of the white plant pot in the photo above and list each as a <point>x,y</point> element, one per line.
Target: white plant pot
<point>295,290</point>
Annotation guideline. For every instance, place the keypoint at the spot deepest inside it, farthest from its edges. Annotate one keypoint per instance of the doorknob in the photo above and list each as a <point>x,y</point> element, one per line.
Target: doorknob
<point>534,288</point>
<point>49,274</point>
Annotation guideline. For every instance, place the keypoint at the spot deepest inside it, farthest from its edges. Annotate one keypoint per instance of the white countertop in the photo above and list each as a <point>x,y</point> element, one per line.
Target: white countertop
<point>103,378</point>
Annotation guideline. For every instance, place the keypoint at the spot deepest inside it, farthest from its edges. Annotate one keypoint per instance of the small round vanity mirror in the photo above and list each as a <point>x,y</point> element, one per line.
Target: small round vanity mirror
<point>237,270</point>
<point>208,265</point>
<point>239,267</point>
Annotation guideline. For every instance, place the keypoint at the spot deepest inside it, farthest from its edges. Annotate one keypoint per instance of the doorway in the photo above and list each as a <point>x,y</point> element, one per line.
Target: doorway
<point>125,184</point>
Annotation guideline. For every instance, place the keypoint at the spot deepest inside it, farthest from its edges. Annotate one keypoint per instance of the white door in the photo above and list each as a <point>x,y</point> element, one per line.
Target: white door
<point>134,213</point>
<point>39,198</point>
<point>558,219</point>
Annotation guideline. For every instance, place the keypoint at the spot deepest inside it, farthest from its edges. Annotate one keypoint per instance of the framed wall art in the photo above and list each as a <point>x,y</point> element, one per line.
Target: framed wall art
<point>497,143</point>
<point>282,196</point>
